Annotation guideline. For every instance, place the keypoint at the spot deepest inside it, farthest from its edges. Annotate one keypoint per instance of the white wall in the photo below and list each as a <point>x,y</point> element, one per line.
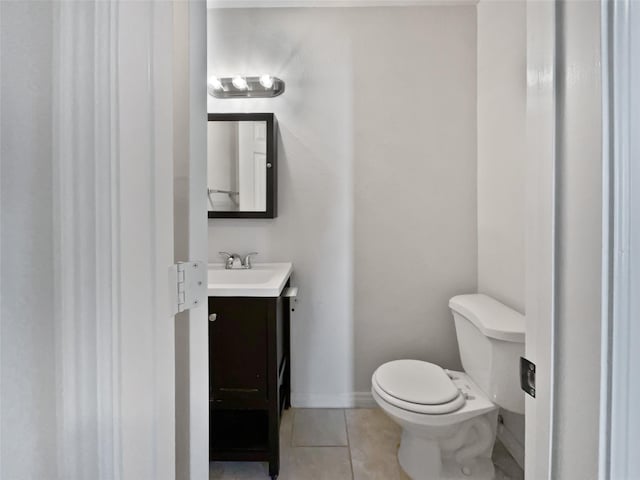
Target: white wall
<point>27,340</point>
<point>414,184</point>
<point>377,172</point>
<point>501,166</point>
<point>579,252</point>
<point>501,150</point>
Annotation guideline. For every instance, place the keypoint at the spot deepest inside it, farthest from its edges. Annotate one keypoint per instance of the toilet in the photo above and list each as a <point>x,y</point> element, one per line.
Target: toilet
<point>449,418</point>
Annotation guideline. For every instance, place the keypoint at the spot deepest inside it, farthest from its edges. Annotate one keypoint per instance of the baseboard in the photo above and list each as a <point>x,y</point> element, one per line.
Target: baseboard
<point>511,443</point>
<point>336,400</point>
<point>363,400</point>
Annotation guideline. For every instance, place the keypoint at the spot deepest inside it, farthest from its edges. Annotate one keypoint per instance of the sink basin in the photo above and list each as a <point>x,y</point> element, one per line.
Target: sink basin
<point>262,280</point>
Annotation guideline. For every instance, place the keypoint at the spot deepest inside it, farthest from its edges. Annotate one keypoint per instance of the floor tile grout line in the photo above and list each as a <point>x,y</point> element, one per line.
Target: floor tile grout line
<point>346,427</point>
<point>293,443</point>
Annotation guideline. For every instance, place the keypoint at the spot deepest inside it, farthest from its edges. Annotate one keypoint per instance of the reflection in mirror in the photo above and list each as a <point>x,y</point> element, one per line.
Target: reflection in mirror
<point>237,164</point>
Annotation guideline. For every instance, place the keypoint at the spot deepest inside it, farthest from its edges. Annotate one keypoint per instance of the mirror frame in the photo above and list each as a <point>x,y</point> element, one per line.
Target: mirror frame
<point>272,157</point>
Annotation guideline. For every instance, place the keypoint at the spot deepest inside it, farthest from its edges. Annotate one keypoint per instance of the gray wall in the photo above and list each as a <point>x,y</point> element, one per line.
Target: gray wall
<point>377,180</point>
<point>502,150</point>
<point>501,166</point>
<point>27,337</point>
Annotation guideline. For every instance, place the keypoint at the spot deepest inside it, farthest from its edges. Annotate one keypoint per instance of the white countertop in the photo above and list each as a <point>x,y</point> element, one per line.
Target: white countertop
<point>262,280</point>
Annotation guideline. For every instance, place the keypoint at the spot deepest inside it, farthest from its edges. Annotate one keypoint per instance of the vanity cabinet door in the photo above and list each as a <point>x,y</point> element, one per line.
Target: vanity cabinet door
<point>238,349</point>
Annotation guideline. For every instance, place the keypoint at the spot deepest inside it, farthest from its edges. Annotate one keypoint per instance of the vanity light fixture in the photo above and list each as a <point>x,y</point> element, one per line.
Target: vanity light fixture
<point>264,86</point>
<point>240,83</point>
<point>215,84</point>
<point>266,81</point>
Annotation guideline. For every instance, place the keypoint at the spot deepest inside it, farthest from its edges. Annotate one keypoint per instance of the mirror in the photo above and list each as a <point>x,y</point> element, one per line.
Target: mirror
<point>241,165</point>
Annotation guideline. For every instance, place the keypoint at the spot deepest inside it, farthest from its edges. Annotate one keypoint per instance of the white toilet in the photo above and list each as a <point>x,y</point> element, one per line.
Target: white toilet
<point>449,418</point>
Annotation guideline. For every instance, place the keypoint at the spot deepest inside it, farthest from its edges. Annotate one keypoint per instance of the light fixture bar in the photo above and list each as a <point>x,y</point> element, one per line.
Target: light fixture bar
<point>264,86</point>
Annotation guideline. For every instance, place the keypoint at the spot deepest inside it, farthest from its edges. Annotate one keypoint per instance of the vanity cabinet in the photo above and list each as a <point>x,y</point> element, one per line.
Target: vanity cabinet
<point>249,377</point>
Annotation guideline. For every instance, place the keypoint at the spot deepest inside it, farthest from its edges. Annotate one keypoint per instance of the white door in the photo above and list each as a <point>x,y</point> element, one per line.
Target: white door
<point>143,224</point>
<point>88,359</point>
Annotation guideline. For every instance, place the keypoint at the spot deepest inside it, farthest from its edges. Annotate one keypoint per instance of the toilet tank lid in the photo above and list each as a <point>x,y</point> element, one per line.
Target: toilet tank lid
<point>492,318</point>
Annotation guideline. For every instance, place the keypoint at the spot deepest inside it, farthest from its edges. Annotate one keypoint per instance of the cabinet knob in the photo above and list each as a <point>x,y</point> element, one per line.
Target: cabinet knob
<point>212,317</point>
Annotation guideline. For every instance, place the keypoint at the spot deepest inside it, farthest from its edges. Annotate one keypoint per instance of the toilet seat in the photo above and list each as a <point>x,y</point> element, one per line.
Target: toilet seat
<point>417,386</point>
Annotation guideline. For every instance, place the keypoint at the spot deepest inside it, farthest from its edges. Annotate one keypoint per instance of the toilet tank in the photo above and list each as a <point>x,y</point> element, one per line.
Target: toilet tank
<point>491,341</point>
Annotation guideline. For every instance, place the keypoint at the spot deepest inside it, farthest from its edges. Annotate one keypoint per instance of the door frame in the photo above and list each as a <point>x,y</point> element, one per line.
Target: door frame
<point>620,422</point>
<point>190,235</point>
<point>541,233</point>
<point>619,430</point>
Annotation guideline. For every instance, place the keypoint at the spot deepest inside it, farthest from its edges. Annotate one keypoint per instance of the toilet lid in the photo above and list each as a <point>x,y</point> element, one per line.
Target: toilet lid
<point>417,382</point>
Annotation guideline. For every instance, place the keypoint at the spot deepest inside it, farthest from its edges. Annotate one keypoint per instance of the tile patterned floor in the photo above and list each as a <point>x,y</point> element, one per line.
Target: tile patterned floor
<point>319,428</point>
<point>323,444</point>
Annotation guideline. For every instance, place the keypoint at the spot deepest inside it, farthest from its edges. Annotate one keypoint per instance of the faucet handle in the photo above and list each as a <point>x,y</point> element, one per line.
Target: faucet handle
<point>228,259</point>
<point>246,263</point>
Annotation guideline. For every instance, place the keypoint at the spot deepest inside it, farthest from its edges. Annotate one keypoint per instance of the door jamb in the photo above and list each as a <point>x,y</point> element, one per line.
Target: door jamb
<point>190,131</point>
<point>620,422</point>
<point>541,233</point>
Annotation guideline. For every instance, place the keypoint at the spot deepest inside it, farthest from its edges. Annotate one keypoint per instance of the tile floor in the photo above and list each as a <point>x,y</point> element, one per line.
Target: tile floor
<point>324,444</point>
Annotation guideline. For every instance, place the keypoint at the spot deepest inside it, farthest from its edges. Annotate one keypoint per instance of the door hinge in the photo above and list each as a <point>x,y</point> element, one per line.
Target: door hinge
<point>188,282</point>
<point>528,376</point>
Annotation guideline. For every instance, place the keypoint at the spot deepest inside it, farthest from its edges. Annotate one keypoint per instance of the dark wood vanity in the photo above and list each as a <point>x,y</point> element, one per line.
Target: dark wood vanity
<point>249,377</point>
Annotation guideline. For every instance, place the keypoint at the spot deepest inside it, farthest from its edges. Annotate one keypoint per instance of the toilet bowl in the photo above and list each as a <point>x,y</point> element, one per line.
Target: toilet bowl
<point>434,434</point>
<point>449,418</point>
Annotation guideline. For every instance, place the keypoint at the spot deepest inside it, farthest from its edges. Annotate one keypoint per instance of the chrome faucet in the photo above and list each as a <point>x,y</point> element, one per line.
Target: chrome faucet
<point>230,260</point>
<point>246,262</point>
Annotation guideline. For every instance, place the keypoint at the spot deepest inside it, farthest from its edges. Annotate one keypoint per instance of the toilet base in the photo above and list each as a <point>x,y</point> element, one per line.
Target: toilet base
<point>453,446</point>
<point>435,455</point>
<point>482,470</point>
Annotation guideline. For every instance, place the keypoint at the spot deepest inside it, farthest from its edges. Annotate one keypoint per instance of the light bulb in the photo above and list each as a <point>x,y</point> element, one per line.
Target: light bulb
<point>240,83</point>
<point>215,83</point>
<point>266,81</point>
